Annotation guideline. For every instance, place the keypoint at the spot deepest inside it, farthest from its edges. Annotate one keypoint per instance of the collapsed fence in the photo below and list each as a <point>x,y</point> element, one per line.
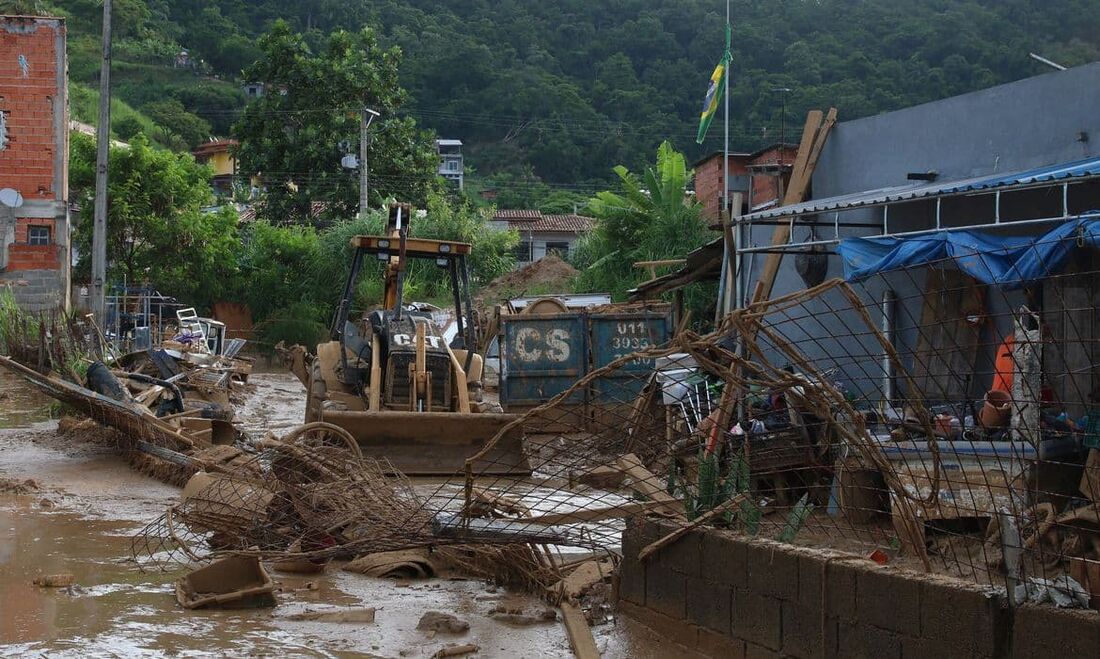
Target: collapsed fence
<point>920,414</point>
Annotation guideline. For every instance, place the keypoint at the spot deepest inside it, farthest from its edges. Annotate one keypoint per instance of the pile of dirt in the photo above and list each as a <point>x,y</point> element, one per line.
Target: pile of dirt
<point>547,273</point>
<point>11,486</point>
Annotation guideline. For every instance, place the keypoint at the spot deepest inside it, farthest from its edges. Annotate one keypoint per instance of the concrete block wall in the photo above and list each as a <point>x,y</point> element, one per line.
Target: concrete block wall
<point>722,595</point>
<point>35,290</point>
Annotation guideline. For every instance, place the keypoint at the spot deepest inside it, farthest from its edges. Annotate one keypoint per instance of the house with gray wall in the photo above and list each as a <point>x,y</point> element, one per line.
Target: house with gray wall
<point>1012,160</point>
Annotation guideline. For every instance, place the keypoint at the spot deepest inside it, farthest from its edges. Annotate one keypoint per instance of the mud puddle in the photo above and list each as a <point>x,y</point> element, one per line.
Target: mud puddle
<point>89,504</point>
<point>21,405</point>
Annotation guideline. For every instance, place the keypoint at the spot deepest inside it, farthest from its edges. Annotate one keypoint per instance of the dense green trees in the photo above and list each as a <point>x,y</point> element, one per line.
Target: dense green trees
<point>157,230</point>
<point>295,134</point>
<point>565,89</point>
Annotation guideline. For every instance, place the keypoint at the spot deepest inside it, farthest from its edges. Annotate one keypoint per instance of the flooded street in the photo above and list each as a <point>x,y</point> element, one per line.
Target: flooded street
<point>84,503</point>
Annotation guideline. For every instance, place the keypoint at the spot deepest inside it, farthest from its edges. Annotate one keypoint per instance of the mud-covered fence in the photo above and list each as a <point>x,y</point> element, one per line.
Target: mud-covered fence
<point>920,417</point>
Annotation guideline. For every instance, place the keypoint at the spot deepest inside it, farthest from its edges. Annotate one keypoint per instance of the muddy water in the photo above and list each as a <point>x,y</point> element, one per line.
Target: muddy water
<point>89,504</point>
<point>19,404</point>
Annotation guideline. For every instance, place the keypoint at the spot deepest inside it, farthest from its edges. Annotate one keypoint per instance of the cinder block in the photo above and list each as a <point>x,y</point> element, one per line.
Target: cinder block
<point>1044,631</point>
<point>962,613</point>
<point>720,646</point>
<point>637,534</point>
<point>839,590</point>
<point>754,651</point>
<point>684,555</point>
<point>631,580</point>
<point>756,619</point>
<point>772,571</point>
<point>942,648</point>
<point>674,630</point>
<point>708,604</point>
<point>806,635</point>
<point>867,642</point>
<point>889,600</point>
<point>724,559</point>
<point>665,590</point>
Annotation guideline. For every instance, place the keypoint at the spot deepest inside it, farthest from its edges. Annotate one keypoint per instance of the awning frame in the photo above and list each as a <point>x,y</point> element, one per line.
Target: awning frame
<point>1047,178</point>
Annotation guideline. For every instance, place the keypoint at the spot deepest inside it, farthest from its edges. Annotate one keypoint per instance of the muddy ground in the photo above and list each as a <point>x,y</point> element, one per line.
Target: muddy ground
<point>84,502</point>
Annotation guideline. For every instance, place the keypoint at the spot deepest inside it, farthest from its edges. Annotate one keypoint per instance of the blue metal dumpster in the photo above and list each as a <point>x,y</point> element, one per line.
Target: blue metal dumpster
<point>542,355</point>
<point>616,335</point>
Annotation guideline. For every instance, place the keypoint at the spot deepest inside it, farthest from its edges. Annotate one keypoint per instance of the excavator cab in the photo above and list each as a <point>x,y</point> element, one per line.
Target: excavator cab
<point>406,385</point>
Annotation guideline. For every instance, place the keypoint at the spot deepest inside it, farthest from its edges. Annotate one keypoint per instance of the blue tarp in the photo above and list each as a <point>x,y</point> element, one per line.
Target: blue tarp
<point>1006,261</point>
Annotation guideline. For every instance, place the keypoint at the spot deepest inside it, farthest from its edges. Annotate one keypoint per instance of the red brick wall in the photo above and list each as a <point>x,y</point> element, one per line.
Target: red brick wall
<point>27,101</point>
<point>22,256</point>
<point>37,137</point>
<point>708,182</point>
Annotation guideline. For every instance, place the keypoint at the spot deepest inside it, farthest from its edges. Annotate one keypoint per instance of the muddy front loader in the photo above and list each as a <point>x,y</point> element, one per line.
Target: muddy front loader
<point>408,390</point>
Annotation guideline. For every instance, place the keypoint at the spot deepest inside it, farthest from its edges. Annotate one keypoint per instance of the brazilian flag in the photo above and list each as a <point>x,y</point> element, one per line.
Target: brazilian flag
<point>714,92</point>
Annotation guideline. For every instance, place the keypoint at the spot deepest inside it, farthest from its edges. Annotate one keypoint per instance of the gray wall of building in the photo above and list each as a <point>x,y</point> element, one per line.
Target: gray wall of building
<point>1030,123</point>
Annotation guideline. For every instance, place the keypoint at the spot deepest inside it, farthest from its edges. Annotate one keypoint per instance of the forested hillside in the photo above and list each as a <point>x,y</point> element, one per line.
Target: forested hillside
<point>558,91</point>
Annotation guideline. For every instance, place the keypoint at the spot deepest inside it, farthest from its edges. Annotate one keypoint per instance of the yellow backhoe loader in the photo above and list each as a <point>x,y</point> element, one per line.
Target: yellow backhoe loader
<point>393,380</point>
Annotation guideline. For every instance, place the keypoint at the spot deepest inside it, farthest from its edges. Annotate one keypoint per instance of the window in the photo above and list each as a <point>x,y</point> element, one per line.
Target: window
<point>38,235</point>
<point>561,249</point>
<point>523,252</point>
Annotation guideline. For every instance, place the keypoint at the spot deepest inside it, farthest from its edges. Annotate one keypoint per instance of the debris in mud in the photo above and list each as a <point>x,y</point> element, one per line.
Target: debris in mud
<point>232,583</point>
<point>514,612</point>
<point>12,486</point>
<point>408,564</point>
<point>437,622</point>
<point>455,650</point>
<point>55,581</point>
<point>363,615</point>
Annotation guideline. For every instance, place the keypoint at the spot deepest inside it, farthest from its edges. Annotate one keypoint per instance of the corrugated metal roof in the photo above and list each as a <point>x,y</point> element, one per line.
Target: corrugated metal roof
<point>882,196</point>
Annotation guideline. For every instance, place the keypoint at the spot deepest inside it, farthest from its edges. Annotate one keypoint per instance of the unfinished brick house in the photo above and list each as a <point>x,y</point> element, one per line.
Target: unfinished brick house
<point>34,148</point>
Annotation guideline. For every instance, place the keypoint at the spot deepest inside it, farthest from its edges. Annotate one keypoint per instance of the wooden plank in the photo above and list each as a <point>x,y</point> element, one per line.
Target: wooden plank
<point>581,579</point>
<point>814,135</point>
<point>947,342</point>
<point>649,485</point>
<point>580,634</point>
<point>460,382</point>
<point>598,514</point>
<point>657,545</point>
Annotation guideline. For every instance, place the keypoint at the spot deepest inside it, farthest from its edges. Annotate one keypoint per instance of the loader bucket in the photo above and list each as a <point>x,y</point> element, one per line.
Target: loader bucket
<point>436,443</point>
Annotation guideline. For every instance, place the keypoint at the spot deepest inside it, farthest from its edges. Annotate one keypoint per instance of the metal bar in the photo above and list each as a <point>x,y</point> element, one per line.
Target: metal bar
<point>793,246</point>
<point>889,299</point>
<point>885,220</point>
<point>341,316</point>
<point>1065,199</point>
<point>471,340</point>
<point>452,266</point>
<point>891,202</point>
<point>938,224</point>
<point>996,208</point>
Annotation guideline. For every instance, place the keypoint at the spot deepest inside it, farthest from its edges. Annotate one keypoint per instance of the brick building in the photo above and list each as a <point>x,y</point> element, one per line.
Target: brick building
<point>760,176</point>
<point>34,150</point>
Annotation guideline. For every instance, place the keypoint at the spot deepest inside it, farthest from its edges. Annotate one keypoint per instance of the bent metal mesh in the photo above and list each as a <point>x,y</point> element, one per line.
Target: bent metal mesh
<point>935,422</point>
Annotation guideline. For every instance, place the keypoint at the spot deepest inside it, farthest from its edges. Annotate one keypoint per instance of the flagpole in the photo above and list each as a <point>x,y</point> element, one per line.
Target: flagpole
<point>738,297</point>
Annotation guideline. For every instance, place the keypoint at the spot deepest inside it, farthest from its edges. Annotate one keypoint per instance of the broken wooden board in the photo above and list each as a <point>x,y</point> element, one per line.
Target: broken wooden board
<point>660,543</point>
<point>947,337</point>
<point>600,514</point>
<point>649,485</point>
<point>581,579</point>
<point>581,640</point>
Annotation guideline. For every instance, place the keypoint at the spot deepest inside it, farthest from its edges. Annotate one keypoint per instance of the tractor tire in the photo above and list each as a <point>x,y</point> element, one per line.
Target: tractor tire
<point>317,393</point>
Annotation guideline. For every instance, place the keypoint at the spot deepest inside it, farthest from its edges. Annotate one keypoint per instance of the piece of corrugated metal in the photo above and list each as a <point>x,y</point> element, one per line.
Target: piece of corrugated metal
<point>1051,173</point>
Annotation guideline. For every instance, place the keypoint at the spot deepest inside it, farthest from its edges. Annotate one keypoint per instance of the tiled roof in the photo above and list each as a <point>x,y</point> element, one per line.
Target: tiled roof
<point>248,213</point>
<point>514,214</point>
<point>537,222</point>
<point>213,146</point>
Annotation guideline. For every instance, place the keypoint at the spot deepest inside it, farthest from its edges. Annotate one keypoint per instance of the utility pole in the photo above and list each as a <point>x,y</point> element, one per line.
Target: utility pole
<point>103,143</point>
<point>364,170</point>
